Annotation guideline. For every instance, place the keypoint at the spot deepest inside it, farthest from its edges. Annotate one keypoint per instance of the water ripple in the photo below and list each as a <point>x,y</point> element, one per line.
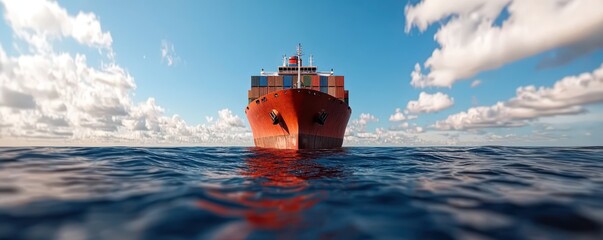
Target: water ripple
<point>351,193</point>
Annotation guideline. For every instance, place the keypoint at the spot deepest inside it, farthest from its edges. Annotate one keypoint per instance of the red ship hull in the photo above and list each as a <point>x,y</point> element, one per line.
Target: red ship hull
<point>301,119</point>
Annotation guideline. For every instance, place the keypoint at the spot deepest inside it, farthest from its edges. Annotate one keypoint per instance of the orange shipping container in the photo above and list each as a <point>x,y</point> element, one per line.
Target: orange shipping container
<point>316,81</point>
<point>316,88</point>
<point>339,81</point>
<point>339,92</point>
<point>278,88</point>
<point>255,92</point>
<point>333,91</point>
<point>331,80</point>
<point>271,81</point>
<point>263,90</point>
<point>278,81</point>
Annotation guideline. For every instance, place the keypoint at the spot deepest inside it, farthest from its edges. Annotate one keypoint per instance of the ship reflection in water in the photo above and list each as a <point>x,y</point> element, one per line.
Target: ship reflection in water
<point>280,195</point>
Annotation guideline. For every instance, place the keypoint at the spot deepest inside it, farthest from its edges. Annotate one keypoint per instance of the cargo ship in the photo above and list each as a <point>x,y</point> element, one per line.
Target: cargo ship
<point>298,107</point>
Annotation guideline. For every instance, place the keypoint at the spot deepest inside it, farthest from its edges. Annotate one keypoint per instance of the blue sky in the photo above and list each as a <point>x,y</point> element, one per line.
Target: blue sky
<point>217,45</point>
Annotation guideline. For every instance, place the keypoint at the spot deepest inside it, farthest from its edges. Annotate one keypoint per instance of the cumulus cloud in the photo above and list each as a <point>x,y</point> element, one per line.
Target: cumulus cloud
<point>38,21</point>
<point>51,96</point>
<point>358,126</point>
<point>398,116</point>
<point>573,51</point>
<point>428,103</point>
<point>471,40</point>
<point>566,97</point>
<point>404,134</point>
<point>168,53</point>
<point>14,99</point>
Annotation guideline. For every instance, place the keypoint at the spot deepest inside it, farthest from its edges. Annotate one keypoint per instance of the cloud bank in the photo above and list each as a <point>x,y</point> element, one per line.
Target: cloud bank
<point>472,39</point>
<point>567,96</point>
<point>57,97</point>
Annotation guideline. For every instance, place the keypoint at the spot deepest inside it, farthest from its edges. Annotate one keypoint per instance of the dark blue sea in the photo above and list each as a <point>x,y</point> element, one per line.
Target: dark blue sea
<point>351,193</point>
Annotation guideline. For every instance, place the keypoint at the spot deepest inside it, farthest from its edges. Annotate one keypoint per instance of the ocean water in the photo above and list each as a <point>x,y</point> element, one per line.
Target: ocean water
<point>351,193</point>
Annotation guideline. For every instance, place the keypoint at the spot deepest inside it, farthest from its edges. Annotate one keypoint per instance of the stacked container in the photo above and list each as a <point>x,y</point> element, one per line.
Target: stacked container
<point>332,85</point>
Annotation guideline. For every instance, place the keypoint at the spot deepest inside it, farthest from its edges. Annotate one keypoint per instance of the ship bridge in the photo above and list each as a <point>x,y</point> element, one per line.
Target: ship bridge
<point>306,70</point>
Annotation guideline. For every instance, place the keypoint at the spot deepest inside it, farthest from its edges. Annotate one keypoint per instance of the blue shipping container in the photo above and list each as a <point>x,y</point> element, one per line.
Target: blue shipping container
<point>324,89</point>
<point>324,81</point>
<point>287,81</point>
<point>255,81</point>
<point>263,81</point>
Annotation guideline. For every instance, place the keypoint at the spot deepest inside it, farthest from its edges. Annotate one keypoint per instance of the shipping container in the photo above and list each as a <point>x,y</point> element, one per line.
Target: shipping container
<point>255,81</point>
<point>346,94</point>
<point>263,81</point>
<point>279,81</point>
<point>316,88</point>
<point>278,88</point>
<point>271,81</point>
<point>255,91</point>
<point>307,81</point>
<point>333,91</point>
<point>324,81</point>
<point>249,95</point>
<point>287,81</point>
<point>339,81</point>
<point>315,81</point>
<point>263,91</point>
<point>331,81</point>
<point>324,89</point>
<point>339,92</point>
<point>347,101</point>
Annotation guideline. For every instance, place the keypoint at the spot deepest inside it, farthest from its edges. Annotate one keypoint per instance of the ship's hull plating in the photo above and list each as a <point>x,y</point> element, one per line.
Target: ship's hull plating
<point>298,125</point>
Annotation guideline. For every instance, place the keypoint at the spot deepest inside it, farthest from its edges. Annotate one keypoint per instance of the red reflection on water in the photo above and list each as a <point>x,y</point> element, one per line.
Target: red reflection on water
<point>283,196</point>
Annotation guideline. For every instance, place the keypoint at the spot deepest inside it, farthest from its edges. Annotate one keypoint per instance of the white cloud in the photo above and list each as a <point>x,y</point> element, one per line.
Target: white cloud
<point>168,53</point>
<point>566,97</point>
<point>428,103</point>
<point>398,116</point>
<point>416,129</point>
<point>476,83</point>
<point>471,41</point>
<point>53,97</point>
<point>38,21</point>
<point>405,134</point>
<point>358,126</point>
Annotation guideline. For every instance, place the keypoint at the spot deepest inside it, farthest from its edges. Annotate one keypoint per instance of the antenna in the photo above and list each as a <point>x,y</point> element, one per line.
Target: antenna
<point>311,60</point>
<point>299,49</point>
<point>299,54</point>
<point>285,60</point>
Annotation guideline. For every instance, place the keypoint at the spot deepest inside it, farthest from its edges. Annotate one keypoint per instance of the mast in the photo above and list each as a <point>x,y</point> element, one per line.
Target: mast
<point>299,54</point>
